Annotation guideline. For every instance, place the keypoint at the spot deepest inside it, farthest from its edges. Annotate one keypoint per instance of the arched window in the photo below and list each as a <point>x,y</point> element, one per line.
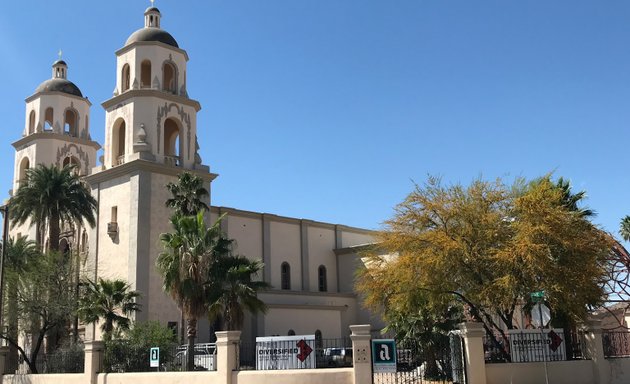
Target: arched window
<point>321,279</point>
<point>285,276</point>
<point>118,142</point>
<point>318,339</point>
<point>169,78</point>
<point>48,119</point>
<point>126,77</point>
<point>291,332</point>
<point>172,143</point>
<point>145,74</point>
<point>70,123</point>
<point>72,161</point>
<point>31,122</point>
<point>24,166</point>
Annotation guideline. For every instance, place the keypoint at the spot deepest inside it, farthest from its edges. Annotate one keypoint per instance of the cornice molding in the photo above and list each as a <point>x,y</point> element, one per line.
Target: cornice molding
<point>148,92</point>
<point>56,136</point>
<point>143,165</point>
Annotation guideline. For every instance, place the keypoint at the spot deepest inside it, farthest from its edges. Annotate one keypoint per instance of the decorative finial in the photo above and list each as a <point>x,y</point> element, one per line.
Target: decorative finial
<point>60,53</point>
<point>152,3</point>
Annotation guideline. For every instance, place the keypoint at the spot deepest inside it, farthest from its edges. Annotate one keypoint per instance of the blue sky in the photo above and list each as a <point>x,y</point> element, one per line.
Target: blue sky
<point>330,109</point>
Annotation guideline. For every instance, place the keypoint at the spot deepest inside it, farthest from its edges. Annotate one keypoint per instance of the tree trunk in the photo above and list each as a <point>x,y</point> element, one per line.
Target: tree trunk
<point>53,233</point>
<point>190,349</point>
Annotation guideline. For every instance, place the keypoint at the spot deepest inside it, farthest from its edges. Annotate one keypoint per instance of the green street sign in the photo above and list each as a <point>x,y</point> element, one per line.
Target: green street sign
<point>384,355</point>
<point>537,296</point>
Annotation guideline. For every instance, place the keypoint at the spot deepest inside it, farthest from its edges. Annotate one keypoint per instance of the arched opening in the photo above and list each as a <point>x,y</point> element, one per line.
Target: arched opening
<point>31,122</point>
<point>118,142</point>
<point>169,78</point>
<point>285,276</point>
<point>172,143</point>
<point>322,282</point>
<point>70,123</point>
<point>145,74</point>
<point>72,161</point>
<point>126,78</point>
<point>318,340</point>
<point>25,164</point>
<point>48,119</point>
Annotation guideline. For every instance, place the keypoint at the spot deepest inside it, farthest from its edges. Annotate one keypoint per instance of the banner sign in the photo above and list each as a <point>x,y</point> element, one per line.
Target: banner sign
<point>285,352</point>
<point>534,345</point>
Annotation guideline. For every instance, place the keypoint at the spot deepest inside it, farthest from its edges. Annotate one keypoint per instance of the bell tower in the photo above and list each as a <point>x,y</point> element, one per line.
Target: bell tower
<point>150,116</point>
<point>56,131</point>
<point>150,138</point>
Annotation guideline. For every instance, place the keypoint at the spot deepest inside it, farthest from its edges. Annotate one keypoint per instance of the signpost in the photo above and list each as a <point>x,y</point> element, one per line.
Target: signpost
<point>154,358</point>
<point>538,297</point>
<point>384,355</point>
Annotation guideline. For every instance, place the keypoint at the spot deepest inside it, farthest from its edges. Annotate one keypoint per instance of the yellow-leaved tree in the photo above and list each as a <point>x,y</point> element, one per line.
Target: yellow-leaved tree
<point>485,248</point>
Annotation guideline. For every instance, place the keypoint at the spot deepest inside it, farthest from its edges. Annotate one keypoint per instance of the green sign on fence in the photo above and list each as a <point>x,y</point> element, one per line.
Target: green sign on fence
<point>384,355</point>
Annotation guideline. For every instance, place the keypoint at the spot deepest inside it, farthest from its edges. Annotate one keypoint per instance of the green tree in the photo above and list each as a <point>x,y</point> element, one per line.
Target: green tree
<point>19,254</point>
<point>110,301</point>
<point>234,291</point>
<point>129,351</point>
<point>51,197</point>
<point>44,299</point>
<point>190,252</point>
<point>188,194</point>
<point>486,247</point>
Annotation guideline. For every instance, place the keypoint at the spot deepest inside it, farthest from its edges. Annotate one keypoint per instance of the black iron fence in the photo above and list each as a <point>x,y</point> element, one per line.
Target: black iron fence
<point>64,360</point>
<point>534,346</point>
<point>435,359</point>
<point>297,354</point>
<point>125,356</point>
<point>616,343</point>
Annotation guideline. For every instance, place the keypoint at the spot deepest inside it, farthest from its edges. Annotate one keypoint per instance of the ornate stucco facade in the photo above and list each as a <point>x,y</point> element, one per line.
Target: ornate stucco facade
<point>150,137</point>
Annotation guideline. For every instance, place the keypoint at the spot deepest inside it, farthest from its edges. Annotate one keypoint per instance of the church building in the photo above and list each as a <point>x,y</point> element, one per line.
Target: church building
<point>150,138</point>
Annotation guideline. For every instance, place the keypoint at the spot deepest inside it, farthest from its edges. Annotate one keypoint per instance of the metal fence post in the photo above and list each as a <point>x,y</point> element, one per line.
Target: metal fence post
<point>361,353</point>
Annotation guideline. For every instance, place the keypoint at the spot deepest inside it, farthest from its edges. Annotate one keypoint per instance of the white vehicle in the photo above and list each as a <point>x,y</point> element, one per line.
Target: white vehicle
<point>205,356</point>
<point>338,357</point>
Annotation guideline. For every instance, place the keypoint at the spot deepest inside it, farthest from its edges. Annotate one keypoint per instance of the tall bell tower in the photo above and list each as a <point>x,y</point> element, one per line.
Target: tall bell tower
<point>57,131</point>
<point>150,138</point>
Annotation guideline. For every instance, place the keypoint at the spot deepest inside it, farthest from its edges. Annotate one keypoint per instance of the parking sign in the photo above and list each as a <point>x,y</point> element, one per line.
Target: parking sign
<point>384,355</point>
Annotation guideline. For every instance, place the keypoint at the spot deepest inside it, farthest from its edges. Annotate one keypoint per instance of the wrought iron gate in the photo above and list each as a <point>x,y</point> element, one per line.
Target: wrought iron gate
<point>436,361</point>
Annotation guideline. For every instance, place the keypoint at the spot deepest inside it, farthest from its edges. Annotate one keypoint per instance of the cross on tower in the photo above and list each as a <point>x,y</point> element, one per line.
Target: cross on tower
<point>152,2</point>
<point>60,53</point>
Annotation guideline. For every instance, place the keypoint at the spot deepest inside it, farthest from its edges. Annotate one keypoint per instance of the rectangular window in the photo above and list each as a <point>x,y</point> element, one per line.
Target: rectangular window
<point>114,216</point>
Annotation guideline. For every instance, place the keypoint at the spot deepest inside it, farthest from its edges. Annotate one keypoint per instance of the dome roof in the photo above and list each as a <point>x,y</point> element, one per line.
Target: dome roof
<point>59,85</point>
<point>152,9</point>
<point>152,34</point>
<point>60,62</point>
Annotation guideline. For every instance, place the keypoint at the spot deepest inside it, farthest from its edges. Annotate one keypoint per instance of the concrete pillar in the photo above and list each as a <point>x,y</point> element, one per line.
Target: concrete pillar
<point>227,354</point>
<point>93,364</point>
<point>361,353</point>
<point>475,362</point>
<point>595,350</point>
<point>4,360</point>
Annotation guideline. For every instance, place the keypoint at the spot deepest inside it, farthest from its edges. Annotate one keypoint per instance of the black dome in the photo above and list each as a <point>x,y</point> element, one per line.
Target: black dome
<point>59,85</point>
<point>152,9</point>
<point>152,34</point>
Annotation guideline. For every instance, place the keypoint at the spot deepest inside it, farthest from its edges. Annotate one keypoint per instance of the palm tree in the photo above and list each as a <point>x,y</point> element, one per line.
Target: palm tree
<point>234,291</point>
<point>111,301</point>
<point>51,197</point>
<point>188,194</point>
<point>190,252</point>
<point>624,228</point>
